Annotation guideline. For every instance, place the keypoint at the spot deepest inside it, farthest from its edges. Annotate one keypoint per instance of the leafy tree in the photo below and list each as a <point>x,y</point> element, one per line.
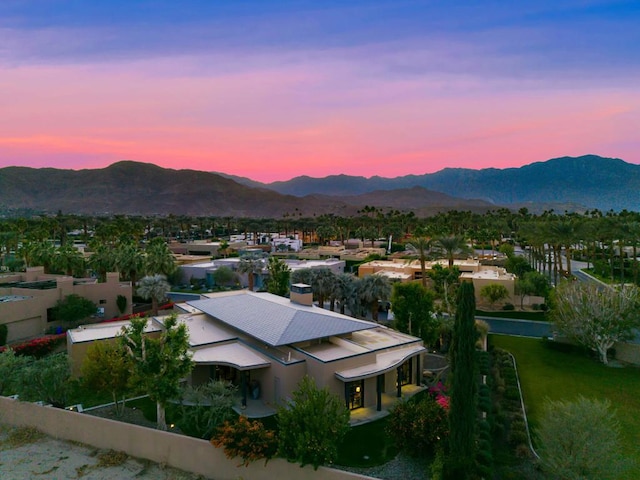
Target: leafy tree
<point>464,386</point>
<point>206,407</point>
<point>224,276</point>
<point>494,292</point>
<point>279,275</point>
<point>596,317</point>
<point>47,379</point>
<point>444,281</point>
<point>532,283</point>
<point>159,364</point>
<point>413,311</point>
<point>580,440</point>
<point>106,368</point>
<point>73,309</point>
<point>517,265</point>
<point>312,425</point>
<point>251,264</point>
<point>11,366</point>
<point>154,288</point>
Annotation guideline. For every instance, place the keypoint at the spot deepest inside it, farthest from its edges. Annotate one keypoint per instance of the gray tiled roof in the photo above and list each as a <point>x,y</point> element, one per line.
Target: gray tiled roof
<point>277,321</point>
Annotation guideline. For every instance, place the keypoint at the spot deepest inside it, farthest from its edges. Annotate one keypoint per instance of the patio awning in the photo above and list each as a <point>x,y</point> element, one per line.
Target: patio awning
<point>385,362</point>
<point>235,354</point>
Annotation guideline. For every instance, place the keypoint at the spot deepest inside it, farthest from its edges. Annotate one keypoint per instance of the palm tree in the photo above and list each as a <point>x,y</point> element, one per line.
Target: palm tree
<point>103,260</point>
<point>130,261</point>
<point>323,283</point>
<point>419,247</point>
<point>154,288</point>
<point>69,260</point>
<point>373,289</point>
<point>451,246</point>
<point>159,259</point>
<point>344,289</point>
<point>251,264</point>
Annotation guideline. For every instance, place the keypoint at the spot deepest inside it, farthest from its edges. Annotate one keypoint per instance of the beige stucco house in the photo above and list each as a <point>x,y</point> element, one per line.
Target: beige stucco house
<point>266,344</point>
<point>26,299</point>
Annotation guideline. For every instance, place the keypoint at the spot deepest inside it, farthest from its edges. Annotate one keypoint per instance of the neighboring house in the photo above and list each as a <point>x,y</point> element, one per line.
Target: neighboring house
<point>266,344</point>
<point>470,269</point>
<point>26,299</point>
<point>205,270</point>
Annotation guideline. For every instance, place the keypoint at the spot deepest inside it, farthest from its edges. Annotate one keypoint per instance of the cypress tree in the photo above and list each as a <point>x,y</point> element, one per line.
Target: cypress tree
<point>464,385</point>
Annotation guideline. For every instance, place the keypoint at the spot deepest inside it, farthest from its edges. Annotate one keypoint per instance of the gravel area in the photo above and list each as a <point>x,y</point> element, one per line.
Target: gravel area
<point>28,454</point>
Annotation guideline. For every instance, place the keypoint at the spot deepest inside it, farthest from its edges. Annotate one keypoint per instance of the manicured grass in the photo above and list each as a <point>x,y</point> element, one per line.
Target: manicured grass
<point>367,445</point>
<point>559,375</point>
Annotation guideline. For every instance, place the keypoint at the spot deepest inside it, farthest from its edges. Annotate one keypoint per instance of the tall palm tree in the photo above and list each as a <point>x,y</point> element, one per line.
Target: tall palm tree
<point>344,289</point>
<point>154,288</point>
<point>323,283</point>
<point>374,289</point>
<point>69,260</point>
<point>102,260</point>
<point>451,246</point>
<point>159,259</point>
<point>251,264</point>
<point>420,247</point>
<point>130,261</point>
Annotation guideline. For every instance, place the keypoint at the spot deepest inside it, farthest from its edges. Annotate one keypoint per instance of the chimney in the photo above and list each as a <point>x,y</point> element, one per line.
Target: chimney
<point>301,294</point>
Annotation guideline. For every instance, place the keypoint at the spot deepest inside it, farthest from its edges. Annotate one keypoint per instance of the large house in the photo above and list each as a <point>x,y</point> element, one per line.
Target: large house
<point>266,344</point>
<point>27,299</point>
<point>401,270</point>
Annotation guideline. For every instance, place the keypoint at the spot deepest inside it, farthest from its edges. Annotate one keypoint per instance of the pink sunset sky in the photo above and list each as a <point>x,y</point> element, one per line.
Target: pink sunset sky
<point>370,89</point>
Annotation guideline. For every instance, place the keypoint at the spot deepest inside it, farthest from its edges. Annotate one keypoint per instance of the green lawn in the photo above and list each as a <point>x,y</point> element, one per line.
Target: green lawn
<point>547,373</point>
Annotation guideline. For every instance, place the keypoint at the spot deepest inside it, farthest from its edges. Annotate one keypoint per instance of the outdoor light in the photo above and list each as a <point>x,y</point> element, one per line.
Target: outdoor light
<point>357,389</point>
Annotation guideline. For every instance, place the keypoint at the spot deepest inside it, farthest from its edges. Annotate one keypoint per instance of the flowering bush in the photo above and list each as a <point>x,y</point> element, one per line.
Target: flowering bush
<point>246,439</point>
<point>38,347</point>
<point>419,427</point>
<point>439,394</point>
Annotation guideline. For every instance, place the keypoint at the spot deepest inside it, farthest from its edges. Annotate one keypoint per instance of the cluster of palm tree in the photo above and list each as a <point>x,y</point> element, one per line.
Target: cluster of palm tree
<point>345,291</point>
<point>597,237</point>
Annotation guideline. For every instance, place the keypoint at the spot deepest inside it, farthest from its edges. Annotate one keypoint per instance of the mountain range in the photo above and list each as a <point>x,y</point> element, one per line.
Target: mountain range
<point>145,189</point>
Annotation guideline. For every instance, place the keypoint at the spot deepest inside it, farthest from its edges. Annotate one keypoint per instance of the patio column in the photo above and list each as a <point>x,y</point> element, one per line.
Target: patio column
<point>399,382</point>
<point>418,372</point>
<point>379,382</point>
<point>243,387</point>
<point>346,394</point>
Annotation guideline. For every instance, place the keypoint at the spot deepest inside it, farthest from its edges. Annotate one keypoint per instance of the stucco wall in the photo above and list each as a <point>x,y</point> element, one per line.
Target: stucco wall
<point>185,453</point>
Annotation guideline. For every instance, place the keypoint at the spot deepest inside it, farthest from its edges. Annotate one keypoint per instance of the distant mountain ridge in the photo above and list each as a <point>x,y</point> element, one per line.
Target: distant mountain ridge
<point>144,189</point>
<point>590,180</point>
<point>129,187</point>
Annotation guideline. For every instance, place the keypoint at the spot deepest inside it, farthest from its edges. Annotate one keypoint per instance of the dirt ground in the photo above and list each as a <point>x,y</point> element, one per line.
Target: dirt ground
<point>28,454</point>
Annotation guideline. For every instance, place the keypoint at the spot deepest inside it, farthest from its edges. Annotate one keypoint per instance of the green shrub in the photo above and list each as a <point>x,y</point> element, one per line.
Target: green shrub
<point>205,408</point>
<point>508,307</point>
<point>517,436</point>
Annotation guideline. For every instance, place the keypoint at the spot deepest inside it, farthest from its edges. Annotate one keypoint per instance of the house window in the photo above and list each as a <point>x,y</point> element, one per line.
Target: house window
<point>102,302</point>
<point>356,394</point>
